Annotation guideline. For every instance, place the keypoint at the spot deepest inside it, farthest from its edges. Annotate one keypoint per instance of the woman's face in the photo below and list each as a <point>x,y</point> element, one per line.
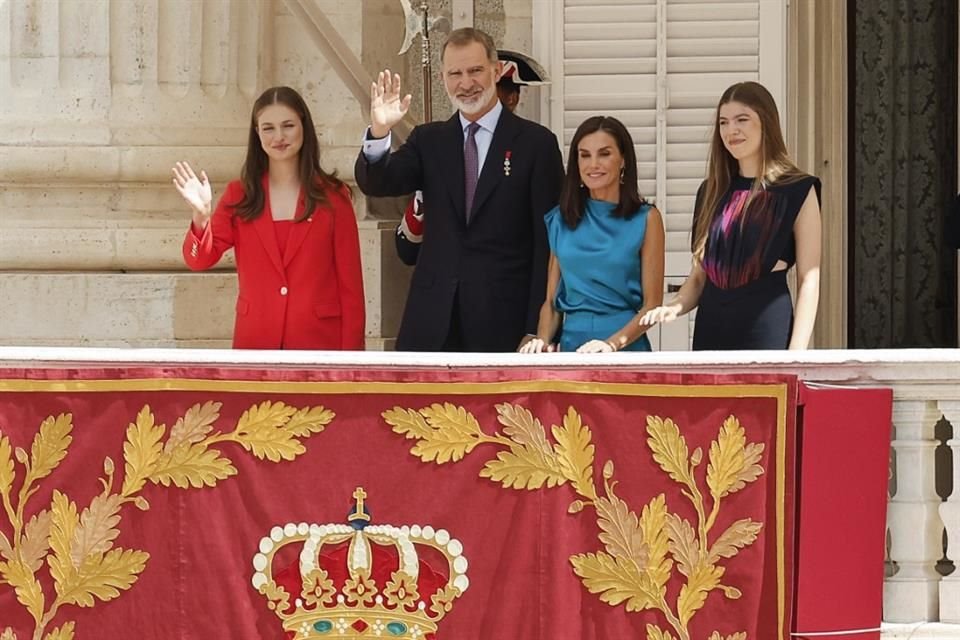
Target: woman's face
<point>740,130</point>
<point>600,163</point>
<point>280,131</point>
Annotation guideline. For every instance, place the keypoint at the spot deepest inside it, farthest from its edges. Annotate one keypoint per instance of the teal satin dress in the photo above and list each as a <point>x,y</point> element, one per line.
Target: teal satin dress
<point>600,287</point>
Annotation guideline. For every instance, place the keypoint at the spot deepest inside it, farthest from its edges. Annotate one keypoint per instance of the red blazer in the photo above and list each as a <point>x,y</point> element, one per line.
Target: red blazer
<point>309,298</point>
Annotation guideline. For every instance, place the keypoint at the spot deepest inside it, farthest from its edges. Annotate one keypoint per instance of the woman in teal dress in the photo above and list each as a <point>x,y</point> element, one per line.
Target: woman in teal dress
<point>606,249</point>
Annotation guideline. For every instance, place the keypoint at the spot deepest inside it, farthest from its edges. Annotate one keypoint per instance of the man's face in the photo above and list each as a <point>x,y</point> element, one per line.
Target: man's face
<point>470,79</point>
<point>509,94</point>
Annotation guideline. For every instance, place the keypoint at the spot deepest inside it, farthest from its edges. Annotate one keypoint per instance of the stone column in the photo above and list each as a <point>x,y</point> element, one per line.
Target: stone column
<point>950,514</point>
<point>912,593</point>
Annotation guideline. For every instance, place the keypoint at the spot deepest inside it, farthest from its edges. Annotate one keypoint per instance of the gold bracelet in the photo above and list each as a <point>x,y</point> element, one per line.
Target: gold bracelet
<point>611,345</point>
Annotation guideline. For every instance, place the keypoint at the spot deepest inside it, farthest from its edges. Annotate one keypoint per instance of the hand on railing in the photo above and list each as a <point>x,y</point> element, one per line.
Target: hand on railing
<point>657,315</point>
<point>537,345</point>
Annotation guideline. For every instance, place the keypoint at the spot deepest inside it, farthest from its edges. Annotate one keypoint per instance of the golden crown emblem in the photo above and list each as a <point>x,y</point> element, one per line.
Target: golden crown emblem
<point>358,580</point>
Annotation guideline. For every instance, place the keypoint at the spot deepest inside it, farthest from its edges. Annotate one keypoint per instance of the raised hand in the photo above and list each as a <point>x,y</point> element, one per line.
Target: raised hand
<point>195,191</point>
<point>387,108</point>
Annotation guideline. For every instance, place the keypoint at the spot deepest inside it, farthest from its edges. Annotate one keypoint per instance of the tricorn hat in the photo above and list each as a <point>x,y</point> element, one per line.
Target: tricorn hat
<point>521,69</point>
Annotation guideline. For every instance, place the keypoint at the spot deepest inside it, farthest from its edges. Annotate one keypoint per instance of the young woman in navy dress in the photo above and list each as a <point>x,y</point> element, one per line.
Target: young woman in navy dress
<point>606,249</point>
<point>756,216</point>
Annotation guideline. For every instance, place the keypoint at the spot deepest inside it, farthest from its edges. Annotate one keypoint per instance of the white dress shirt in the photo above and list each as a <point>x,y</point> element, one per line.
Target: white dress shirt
<point>376,148</point>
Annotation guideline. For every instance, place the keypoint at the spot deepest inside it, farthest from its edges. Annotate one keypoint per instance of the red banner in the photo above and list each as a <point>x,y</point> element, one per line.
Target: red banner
<point>495,503</point>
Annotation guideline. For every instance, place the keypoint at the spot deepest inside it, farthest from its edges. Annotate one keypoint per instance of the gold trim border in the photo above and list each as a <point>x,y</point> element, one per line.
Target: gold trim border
<point>776,391</point>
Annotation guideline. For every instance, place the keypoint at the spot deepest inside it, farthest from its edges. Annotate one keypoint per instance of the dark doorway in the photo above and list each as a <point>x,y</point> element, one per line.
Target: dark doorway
<point>903,182</point>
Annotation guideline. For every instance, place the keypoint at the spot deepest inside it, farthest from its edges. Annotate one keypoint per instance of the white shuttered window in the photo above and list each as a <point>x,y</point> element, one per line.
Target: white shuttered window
<point>659,66</point>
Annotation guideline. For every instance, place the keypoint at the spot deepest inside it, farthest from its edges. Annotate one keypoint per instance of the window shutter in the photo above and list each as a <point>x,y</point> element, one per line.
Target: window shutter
<point>709,46</point>
<point>659,66</point>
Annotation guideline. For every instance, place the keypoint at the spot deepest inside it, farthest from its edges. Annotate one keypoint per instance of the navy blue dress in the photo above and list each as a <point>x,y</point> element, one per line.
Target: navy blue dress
<point>745,304</point>
<point>600,287</point>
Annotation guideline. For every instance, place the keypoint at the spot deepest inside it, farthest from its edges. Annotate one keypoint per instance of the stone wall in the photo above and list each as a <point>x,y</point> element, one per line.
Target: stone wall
<point>98,98</point>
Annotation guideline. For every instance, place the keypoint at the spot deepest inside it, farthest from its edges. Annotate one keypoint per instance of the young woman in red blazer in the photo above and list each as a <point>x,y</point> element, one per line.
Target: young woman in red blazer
<point>293,231</point>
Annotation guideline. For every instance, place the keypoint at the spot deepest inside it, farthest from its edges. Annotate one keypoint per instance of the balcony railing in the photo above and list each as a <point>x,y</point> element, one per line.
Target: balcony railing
<point>922,587</point>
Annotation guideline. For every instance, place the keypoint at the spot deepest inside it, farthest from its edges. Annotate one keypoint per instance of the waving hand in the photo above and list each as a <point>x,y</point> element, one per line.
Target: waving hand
<point>387,108</point>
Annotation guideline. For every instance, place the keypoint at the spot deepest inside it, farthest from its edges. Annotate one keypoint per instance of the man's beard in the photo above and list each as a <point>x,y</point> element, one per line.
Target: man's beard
<point>477,105</point>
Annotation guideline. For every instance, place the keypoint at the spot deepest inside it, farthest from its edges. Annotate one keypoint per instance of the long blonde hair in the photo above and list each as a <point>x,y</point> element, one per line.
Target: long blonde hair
<point>775,163</point>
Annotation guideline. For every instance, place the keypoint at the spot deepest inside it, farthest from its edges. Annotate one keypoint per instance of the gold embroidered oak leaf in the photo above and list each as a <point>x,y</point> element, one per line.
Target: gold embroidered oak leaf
<point>97,529</point>
<point>656,633</point>
<point>104,576</point>
<point>531,462</point>
<point>6,550</point>
<point>653,525</point>
<point>669,449</point>
<point>192,465</point>
<point>576,453</point>
<point>309,420</point>
<point>740,635</point>
<point>693,595</point>
<point>25,586</point>
<point>740,534</point>
<point>522,468</point>
<point>141,451</point>
<point>454,432</point>
<point>63,632</point>
<point>194,426</point>
<point>683,543</point>
<point>444,432</point>
<point>50,445</point>
<point>8,634</point>
<point>261,431</point>
<point>407,422</point>
<point>36,541</point>
<point>63,525</point>
<point>524,429</point>
<point>7,471</point>
<point>620,531</point>
<point>616,580</point>
<point>733,463</point>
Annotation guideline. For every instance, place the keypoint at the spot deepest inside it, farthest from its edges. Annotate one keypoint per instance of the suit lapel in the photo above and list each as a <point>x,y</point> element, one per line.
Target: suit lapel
<point>263,225</point>
<point>492,172</point>
<point>452,156</point>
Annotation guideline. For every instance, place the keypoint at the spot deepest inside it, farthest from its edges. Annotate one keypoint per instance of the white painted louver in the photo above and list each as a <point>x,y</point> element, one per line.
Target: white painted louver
<point>659,66</point>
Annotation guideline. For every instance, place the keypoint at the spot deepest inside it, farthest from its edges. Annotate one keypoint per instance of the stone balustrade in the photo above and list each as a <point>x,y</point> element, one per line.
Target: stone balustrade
<point>922,588</point>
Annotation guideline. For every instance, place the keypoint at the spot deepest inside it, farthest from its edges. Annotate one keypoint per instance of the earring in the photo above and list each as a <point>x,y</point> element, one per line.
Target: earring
<point>622,169</point>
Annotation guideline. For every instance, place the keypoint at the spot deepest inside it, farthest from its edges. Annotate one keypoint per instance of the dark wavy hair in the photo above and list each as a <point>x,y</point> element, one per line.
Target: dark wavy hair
<point>573,196</point>
<point>314,180</point>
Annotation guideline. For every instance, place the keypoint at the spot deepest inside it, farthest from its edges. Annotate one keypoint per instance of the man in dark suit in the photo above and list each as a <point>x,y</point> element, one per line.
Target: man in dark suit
<point>489,177</point>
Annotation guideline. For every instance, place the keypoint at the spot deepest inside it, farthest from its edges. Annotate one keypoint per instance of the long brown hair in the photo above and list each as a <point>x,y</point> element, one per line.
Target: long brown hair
<point>775,163</point>
<point>313,180</point>
<point>573,196</point>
